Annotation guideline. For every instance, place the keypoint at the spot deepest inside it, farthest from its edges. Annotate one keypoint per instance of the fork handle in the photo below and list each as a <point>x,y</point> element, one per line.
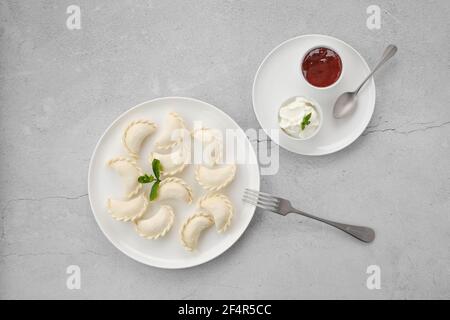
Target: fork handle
<point>364,234</point>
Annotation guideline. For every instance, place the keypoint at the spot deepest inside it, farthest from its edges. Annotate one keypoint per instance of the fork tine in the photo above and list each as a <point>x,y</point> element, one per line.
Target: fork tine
<point>254,203</point>
<point>260,205</point>
<point>262,194</point>
<point>257,196</point>
<point>261,200</point>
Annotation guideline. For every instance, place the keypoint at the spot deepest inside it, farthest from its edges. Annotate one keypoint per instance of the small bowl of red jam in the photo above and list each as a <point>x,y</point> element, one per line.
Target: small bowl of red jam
<point>321,67</point>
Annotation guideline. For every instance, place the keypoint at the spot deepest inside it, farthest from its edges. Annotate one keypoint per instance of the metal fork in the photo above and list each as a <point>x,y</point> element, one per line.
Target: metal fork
<point>282,206</point>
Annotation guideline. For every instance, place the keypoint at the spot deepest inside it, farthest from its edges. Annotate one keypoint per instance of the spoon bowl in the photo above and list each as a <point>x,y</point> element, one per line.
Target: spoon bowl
<point>345,104</point>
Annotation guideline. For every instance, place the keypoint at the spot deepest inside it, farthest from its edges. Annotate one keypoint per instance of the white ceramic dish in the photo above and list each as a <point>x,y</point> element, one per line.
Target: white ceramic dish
<point>168,252</point>
<point>313,86</point>
<point>318,109</point>
<point>279,77</point>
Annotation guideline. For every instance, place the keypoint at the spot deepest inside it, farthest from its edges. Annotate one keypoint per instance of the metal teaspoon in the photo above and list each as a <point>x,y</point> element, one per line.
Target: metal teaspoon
<point>347,101</point>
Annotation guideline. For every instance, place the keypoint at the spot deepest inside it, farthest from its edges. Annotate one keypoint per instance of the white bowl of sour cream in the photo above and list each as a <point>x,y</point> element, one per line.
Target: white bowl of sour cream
<point>300,118</point>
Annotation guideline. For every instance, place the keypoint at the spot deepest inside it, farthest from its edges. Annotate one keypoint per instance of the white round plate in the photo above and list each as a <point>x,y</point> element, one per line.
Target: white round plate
<point>167,252</point>
<point>279,78</point>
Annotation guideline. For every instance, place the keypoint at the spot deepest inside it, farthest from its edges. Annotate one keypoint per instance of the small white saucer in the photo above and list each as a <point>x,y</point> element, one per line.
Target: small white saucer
<point>279,77</point>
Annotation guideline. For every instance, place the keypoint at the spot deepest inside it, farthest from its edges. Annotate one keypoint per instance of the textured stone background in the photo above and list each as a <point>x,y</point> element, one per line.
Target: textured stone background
<point>60,89</point>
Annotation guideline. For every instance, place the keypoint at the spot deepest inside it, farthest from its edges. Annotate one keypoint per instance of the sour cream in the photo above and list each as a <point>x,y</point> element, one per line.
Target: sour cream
<point>296,111</point>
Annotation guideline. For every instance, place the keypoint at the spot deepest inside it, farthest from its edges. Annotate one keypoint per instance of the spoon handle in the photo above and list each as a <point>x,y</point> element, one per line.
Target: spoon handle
<point>389,52</point>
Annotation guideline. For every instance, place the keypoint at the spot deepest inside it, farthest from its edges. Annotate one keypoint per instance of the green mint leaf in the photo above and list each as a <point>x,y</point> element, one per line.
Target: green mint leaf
<point>306,121</point>
<point>142,179</point>
<point>146,178</point>
<point>156,166</point>
<point>154,191</point>
<point>308,116</point>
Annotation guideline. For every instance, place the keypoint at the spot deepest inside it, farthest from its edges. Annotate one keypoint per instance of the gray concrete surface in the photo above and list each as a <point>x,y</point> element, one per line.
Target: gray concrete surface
<point>60,89</point>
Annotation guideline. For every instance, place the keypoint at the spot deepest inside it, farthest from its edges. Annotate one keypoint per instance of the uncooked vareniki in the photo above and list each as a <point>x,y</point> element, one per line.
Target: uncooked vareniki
<point>192,228</point>
<point>174,188</point>
<point>172,132</point>
<point>211,145</point>
<point>214,179</point>
<point>130,172</point>
<point>126,210</point>
<point>157,225</point>
<point>135,134</point>
<point>174,162</point>
<point>220,208</point>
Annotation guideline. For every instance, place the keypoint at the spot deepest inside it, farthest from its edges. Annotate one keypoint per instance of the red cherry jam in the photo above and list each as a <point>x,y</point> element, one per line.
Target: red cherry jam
<point>321,67</point>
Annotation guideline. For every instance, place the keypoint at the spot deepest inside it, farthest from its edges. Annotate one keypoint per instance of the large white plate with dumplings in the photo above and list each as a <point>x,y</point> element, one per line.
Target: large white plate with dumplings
<point>168,252</point>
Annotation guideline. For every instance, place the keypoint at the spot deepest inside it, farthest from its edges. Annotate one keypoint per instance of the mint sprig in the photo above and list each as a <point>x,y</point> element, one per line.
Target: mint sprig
<point>157,168</point>
<point>306,121</point>
<point>154,191</point>
<point>146,178</point>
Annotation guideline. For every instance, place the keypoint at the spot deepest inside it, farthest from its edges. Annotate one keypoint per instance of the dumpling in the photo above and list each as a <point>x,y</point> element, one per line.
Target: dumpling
<point>206,135</point>
<point>130,172</point>
<point>157,225</point>
<point>174,188</point>
<point>126,210</point>
<point>192,228</point>
<point>135,134</point>
<point>211,145</point>
<point>216,178</point>
<point>220,208</point>
<point>174,162</point>
<point>172,132</point>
